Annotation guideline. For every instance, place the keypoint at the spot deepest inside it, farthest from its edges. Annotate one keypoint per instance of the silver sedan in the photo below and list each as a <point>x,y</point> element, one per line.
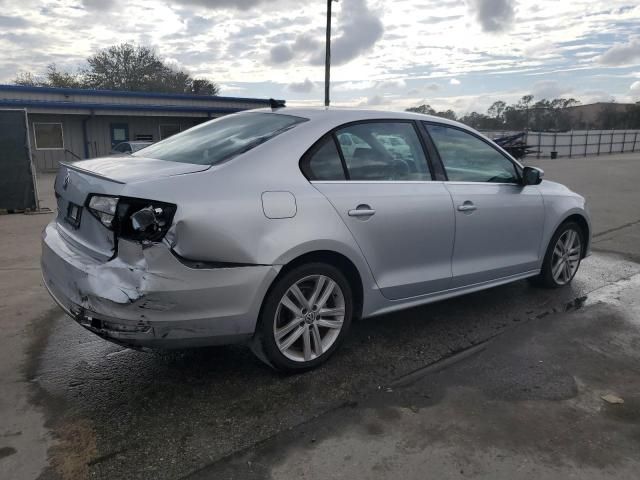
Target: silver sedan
<point>279,227</point>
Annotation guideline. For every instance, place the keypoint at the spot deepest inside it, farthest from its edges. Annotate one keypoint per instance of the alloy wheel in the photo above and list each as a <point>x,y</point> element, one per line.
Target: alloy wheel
<point>309,318</point>
<point>566,257</point>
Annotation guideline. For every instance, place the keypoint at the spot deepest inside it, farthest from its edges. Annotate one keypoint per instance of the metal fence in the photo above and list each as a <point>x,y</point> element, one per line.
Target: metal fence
<point>578,143</point>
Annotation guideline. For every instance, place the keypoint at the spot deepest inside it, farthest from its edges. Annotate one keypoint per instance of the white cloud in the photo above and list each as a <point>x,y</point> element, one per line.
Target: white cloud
<point>378,85</point>
<point>280,54</point>
<point>549,89</point>
<point>374,101</point>
<point>352,86</point>
<point>454,81</point>
<point>99,4</point>
<point>635,88</point>
<point>493,15</point>
<point>390,85</point>
<point>622,54</point>
<point>302,87</point>
<point>358,29</point>
<point>227,4</point>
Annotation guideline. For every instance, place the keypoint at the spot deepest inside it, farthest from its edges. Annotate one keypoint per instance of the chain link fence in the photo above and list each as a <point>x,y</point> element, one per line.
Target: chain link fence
<point>578,143</point>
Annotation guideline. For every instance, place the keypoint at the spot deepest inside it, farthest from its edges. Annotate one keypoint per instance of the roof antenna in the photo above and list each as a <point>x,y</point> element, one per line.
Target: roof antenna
<point>276,103</point>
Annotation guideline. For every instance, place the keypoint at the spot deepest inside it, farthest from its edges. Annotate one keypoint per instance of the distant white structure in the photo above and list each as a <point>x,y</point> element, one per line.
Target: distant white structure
<point>577,143</point>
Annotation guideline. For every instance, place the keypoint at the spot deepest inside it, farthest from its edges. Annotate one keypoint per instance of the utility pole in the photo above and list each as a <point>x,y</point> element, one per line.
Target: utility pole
<point>327,58</point>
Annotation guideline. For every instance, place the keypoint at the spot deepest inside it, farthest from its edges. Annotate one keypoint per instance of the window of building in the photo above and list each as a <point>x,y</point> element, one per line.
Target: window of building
<point>467,158</point>
<point>48,136</point>
<point>119,133</point>
<point>383,151</point>
<point>167,130</point>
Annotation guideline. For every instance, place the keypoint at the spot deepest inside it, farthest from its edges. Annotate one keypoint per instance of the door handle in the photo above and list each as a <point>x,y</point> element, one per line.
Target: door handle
<point>467,207</point>
<point>362,211</point>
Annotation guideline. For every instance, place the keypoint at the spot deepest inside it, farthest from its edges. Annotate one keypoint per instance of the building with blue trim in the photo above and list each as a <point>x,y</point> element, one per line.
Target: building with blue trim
<point>67,124</point>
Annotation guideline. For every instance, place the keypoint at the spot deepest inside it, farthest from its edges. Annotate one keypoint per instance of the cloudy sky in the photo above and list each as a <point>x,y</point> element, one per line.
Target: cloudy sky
<point>459,54</point>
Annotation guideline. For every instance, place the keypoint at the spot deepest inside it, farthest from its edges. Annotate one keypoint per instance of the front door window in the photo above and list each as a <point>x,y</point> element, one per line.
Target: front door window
<point>467,158</point>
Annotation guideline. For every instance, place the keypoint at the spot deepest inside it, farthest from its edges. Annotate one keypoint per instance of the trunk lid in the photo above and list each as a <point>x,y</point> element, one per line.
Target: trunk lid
<point>130,169</point>
<point>103,176</point>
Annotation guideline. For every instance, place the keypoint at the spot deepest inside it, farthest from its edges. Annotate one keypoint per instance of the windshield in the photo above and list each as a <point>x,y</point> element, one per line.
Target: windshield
<point>221,139</point>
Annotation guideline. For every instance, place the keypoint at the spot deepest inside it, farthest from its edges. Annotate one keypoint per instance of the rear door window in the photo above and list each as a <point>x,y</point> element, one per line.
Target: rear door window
<point>324,162</point>
<point>383,151</point>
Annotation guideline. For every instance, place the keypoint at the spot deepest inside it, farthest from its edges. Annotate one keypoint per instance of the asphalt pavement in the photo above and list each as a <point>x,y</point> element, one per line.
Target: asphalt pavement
<point>503,383</point>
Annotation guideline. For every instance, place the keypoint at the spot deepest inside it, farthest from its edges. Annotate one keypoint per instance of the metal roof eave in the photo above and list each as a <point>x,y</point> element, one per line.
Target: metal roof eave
<point>114,106</point>
<point>122,93</point>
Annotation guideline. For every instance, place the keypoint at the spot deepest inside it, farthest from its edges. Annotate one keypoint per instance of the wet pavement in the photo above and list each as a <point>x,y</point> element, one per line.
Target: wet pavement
<point>529,405</point>
<point>120,413</point>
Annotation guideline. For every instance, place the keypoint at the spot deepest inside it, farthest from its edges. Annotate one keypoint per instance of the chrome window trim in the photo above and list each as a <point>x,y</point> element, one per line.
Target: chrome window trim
<point>375,181</point>
<point>456,182</point>
<point>413,181</point>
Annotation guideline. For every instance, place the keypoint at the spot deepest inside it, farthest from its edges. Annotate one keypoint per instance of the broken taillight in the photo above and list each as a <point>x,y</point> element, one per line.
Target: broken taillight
<point>133,218</point>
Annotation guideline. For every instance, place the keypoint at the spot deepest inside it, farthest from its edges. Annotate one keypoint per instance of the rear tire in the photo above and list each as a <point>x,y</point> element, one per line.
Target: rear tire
<point>304,318</point>
<point>562,258</point>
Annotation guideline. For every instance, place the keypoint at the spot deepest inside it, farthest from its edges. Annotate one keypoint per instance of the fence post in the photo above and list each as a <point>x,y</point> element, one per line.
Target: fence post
<point>539,143</point>
<point>555,140</point>
<point>624,139</point>
<point>611,142</point>
<point>586,143</point>
<point>635,139</point>
<point>570,143</point>
<point>599,142</point>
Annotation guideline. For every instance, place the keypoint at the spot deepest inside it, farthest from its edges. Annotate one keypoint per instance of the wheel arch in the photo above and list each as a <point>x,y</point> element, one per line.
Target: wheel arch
<point>330,257</point>
<point>584,225</point>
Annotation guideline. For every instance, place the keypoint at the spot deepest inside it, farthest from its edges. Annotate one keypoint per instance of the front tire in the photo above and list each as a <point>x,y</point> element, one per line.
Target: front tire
<point>563,256</point>
<point>304,318</point>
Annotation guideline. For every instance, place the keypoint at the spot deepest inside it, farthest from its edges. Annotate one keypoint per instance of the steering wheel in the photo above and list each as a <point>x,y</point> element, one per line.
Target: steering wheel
<point>401,169</point>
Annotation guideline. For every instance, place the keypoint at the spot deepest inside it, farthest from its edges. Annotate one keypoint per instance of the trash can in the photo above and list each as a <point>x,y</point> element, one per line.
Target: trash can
<point>554,155</point>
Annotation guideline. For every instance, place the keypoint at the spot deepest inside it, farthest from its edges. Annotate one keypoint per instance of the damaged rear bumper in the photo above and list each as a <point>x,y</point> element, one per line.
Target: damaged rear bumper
<point>145,297</point>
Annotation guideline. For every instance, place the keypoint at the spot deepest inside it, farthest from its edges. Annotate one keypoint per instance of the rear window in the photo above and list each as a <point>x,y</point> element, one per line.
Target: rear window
<point>221,139</point>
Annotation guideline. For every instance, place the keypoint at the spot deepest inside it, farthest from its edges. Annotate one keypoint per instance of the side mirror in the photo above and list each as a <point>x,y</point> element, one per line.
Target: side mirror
<point>532,176</point>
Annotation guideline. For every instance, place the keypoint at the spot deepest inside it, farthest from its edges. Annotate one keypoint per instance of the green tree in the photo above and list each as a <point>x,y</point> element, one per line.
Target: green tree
<point>53,78</point>
<point>514,118</point>
<point>202,86</point>
<point>57,78</point>
<point>424,109</point>
<point>525,101</point>
<point>478,121</point>
<point>496,110</point>
<point>449,114</point>
<point>428,110</point>
<point>27,79</point>
<point>124,67</point>
<point>633,116</point>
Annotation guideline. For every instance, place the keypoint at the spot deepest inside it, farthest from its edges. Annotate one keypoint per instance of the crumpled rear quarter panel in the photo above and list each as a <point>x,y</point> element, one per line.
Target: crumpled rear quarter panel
<point>150,285</point>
